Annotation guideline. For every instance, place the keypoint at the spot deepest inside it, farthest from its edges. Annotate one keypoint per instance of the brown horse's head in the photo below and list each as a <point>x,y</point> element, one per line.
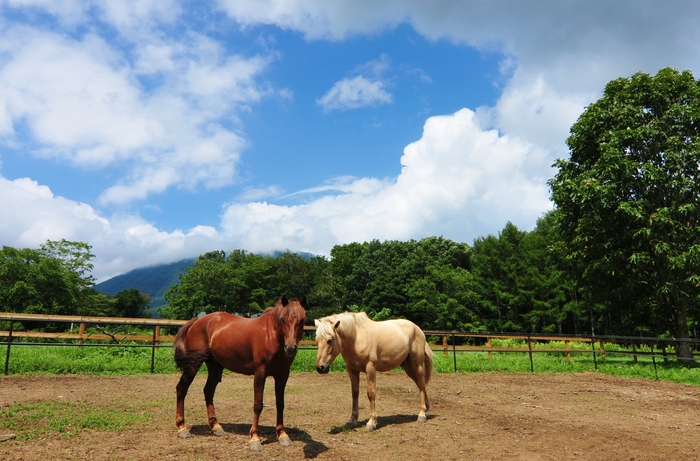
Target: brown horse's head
<point>291,317</point>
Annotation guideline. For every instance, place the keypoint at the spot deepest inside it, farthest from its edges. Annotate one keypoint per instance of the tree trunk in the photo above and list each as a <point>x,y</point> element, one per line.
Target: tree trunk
<point>683,349</point>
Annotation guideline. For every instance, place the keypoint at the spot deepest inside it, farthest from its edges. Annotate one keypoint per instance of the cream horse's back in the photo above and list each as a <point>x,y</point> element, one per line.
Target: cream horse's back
<point>367,347</point>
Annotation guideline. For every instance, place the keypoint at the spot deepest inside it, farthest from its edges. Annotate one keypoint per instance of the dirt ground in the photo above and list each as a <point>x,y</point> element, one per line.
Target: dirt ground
<point>586,416</point>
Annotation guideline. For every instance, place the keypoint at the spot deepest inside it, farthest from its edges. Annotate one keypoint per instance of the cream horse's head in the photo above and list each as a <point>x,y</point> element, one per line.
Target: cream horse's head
<point>328,343</point>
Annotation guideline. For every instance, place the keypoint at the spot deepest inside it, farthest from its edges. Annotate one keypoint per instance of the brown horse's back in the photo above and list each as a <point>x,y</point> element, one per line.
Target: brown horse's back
<point>242,344</point>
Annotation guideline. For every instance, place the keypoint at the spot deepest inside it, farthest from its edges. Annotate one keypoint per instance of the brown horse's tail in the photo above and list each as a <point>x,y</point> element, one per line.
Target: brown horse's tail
<point>183,359</point>
<point>428,363</point>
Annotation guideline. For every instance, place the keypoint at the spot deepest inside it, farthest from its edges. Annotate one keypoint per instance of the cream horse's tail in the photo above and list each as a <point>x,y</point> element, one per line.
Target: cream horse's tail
<point>428,363</point>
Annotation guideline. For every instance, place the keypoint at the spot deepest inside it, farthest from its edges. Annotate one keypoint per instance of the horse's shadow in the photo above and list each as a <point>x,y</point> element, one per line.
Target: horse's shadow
<point>312,448</point>
<point>382,421</point>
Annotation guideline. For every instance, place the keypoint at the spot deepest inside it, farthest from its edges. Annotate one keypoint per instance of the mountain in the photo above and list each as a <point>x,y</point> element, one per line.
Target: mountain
<point>153,281</point>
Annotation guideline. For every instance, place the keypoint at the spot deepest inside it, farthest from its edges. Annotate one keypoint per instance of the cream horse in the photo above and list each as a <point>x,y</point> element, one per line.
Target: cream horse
<point>368,346</point>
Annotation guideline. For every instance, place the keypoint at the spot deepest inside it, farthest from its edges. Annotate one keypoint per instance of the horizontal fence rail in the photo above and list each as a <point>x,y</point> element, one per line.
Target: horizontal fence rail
<point>447,344</point>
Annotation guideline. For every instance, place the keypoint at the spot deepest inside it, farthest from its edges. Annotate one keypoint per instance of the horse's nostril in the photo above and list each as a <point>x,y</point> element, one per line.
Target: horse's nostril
<point>320,369</point>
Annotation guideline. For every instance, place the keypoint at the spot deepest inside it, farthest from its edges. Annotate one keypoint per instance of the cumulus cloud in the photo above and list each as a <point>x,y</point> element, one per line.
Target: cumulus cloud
<point>561,54</point>
<point>32,214</point>
<point>456,180</point>
<point>164,110</point>
<point>82,101</point>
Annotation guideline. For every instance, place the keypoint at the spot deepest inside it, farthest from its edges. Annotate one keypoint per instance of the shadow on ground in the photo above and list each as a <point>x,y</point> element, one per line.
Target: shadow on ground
<point>382,421</point>
<point>312,448</point>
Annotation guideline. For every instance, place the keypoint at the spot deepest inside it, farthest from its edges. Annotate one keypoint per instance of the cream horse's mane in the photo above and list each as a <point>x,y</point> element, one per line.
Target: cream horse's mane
<point>349,321</point>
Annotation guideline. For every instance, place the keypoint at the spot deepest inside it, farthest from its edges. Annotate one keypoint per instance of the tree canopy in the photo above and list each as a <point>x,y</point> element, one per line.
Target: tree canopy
<point>627,198</point>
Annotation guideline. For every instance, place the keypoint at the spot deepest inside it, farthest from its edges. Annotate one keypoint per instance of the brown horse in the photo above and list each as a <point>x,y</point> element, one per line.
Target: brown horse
<point>263,346</point>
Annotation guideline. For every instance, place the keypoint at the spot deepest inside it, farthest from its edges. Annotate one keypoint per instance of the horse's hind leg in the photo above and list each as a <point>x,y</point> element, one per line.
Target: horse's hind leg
<point>215,371</point>
<point>416,373</point>
<point>183,385</point>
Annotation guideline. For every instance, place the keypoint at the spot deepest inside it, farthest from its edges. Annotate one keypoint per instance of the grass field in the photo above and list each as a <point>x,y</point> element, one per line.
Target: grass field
<point>137,360</point>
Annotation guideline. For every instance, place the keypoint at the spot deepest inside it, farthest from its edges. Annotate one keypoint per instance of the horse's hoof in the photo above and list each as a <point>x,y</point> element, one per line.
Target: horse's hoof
<point>255,445</point>
<point>184,433</point>
<point>285,441</point>
<point>350,424</point>
<point>371,427</point>
<point>218,431</point>
<point>422,418</point>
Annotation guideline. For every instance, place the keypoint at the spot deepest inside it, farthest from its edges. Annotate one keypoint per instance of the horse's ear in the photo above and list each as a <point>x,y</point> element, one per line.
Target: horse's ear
<point>304,303</point>
<point>316,322</point>
<point>284,300</point>
<point>337,324</point>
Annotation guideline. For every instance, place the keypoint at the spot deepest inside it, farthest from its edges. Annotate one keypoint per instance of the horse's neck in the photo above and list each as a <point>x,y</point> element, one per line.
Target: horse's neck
<point>348,336</point>
<point>269,323</point>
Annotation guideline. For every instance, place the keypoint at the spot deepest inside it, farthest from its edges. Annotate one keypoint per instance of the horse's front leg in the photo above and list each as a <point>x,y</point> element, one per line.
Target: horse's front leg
<point>259,390</point>
<point>355,388</point>
<point>280,384</point>
<point>371,395</point>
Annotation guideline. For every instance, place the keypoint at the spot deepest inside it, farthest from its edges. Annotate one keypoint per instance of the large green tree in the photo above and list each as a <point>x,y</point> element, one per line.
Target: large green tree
<point>628,196</point>
<point>54,279</point>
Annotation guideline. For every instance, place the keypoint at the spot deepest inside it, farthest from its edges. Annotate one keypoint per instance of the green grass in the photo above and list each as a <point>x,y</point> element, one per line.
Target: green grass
<point>31,420</point>
<point>129,361</point>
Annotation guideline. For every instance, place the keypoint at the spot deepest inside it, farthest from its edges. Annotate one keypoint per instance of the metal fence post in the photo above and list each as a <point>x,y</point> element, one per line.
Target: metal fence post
<point>9,342</point>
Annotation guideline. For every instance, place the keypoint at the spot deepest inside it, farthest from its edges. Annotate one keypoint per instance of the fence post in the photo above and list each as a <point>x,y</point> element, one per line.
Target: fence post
<point>568,354</point>
<point>444,345</point>
<point>488,344</point>
<point>454,352</point>
<point>157,340</point>
<point>634,351</point>
<point>81,332</point>
<point>529,348</point>
<point>153,351</point>
<point>9,341</point>
<point>595,360</point>
<point>602,350</point>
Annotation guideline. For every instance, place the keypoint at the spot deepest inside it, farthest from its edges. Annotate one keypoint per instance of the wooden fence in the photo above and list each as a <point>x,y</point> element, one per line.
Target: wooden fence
<point>447,344</point>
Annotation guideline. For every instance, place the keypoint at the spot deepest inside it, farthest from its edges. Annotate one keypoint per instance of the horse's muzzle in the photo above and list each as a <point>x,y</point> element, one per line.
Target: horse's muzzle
<point>323,369</point>
<point>291,351</point>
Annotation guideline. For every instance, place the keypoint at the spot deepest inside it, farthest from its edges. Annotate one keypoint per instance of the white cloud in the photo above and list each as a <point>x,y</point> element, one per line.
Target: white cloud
<point>83,102</point>
<point>353,93</point>
<point>32,214</point>
<point>456,181</point>
<point>562,53</point>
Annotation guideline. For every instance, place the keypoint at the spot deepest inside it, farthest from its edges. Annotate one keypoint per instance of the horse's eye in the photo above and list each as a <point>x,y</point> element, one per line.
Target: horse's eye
<point>330,340</point>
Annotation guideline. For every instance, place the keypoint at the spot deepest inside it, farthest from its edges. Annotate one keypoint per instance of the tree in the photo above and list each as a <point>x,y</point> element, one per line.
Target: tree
<point>628,197</point>
<point>131,303</point>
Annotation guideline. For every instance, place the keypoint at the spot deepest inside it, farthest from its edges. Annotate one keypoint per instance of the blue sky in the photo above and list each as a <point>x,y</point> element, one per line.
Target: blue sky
<point>159,130</point>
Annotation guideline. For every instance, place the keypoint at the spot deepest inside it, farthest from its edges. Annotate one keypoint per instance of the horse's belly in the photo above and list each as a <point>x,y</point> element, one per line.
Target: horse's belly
<point>236,361</point>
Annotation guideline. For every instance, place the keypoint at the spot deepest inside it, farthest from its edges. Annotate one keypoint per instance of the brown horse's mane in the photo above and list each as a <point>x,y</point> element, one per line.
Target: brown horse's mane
<point>282,311</point>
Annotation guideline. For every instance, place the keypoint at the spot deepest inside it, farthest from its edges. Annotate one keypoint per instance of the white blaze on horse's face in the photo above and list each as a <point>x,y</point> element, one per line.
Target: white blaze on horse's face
<point>328,345</point>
